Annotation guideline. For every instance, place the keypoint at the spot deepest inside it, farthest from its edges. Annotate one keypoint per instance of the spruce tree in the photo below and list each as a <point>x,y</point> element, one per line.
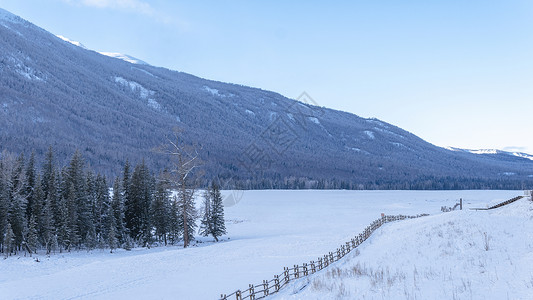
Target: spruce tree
<point>160,210</point>
<point>32,241</point>
<point>78,204</point>
<point>4,202</point>
<point>37,209</point>
<point>9,241</point>
<point>174,224</point>
<point>117,205</point>
<point>138,209</point>
<point>218,226</point>
<point>18,201</point>
<point>111,231</point>
<point>29,185</point>
<point>205,223</point>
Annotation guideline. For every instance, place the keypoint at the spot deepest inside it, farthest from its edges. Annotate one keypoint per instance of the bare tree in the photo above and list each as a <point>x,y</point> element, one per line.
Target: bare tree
<point>185,162</point>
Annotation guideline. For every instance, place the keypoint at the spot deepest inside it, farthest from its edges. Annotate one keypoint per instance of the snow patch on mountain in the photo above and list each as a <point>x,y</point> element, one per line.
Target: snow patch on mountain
<point>124,57</point>
<point>376,121</point>
<point>290,116</point>
<point>135,87</point>
<point>491,152</point>
<point>154,104</point>
<point>399,145</point>
<point>523,155</point>
<point>389,132</point>
<point>27,72</point>
<point>75,43</point>
<point>370,134</point>
<point>212,91</point>
<point>314,120</point>
<point>251,113</point>
<point>144,71</point>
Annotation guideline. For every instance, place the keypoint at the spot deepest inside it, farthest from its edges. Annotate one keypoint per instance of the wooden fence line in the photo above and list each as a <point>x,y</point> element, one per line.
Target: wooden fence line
<point>269,287</point>
<point>501,203</point>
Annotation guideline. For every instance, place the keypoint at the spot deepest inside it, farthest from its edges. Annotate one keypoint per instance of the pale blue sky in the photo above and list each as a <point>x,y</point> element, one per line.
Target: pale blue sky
<point>456,73</point>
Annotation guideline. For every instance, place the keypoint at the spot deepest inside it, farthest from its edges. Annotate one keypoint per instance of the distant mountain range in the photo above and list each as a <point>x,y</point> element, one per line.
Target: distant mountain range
<point>54,92</point>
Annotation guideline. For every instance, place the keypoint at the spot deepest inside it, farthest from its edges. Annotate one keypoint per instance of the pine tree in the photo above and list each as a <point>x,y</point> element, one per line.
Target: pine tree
<point>112,241</point>
<point>18,201</point>
<point>117,205</point>
<point>174,224</point>
<point>51,188</point>
<point>79,208</point>
<point>218,226</point>
<point>29,185</point>
<point>4,201</point>
<point>54,245</point>
<point>138,209</point>
<point>37,209</point>
<point>128,205</point>
<point>160,209</point>
<point>206,222</point>
<point>48,227</point>
<point>9,241</point>
<point>32,237</point>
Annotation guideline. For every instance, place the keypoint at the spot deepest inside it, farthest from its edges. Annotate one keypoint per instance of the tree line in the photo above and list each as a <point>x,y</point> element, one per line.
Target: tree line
<point>56,209</point>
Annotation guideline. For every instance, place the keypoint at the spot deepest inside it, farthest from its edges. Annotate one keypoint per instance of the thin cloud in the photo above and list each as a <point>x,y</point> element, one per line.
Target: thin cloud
<point>135,6</point>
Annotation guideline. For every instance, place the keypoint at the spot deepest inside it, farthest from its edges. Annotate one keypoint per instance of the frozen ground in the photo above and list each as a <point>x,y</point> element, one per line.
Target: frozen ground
<point>437,257</point>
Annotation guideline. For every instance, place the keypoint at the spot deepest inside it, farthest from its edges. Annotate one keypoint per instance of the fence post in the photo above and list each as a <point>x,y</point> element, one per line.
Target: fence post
<point>286,272</point>
<point>238,295</point>
<point>251,291</point>
<point>320,263</point>
<point>331,257</point>
<point>304,267</point>
<point>276,283</point>
<point>313,268</point>
<point>348,247</point>
<point>296,271</point>
<point>265,287</point>
<point>461,203</point>
<point>223,297</point>
<point>353,243</point>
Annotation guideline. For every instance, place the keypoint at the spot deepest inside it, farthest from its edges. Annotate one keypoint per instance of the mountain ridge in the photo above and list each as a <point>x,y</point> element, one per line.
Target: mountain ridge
<point>55,93</point>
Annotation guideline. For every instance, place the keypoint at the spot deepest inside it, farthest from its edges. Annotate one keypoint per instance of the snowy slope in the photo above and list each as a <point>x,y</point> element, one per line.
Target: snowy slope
<point>268,231</point>
<point>457,255</point>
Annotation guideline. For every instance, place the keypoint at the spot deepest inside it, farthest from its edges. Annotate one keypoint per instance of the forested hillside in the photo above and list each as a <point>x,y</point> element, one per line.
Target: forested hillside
<point>53,93</point>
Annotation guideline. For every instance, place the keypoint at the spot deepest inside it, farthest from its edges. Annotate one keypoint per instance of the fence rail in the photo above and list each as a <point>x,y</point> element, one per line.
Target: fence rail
<point>269,287</point>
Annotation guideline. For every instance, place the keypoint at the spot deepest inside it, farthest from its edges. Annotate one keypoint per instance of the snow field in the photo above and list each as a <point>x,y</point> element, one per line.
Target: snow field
<point>269,230</point>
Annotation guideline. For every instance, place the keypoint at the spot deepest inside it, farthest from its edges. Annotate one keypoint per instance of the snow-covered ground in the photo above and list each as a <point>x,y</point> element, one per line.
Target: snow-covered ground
<point>436,257</point>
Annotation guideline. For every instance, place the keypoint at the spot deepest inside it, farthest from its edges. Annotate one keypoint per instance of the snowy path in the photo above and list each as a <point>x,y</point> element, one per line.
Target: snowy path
<point>268,230</point>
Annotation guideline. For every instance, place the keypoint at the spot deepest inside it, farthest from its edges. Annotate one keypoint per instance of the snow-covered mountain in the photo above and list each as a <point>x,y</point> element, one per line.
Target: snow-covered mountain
<point>56,93</point>
<point>493,152</point>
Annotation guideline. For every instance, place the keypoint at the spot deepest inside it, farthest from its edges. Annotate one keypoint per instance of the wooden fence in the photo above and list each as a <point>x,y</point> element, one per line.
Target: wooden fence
<point>501,203</point>
<point>269,287</point>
